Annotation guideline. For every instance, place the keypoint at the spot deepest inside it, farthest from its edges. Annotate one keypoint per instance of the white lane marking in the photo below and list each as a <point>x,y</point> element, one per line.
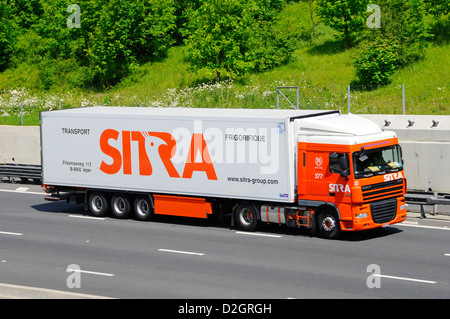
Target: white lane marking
<point>21,192</point>
<point>86,217</point>
<point>9,233</point>
<point>90,272</point>
<point>407,279</point>
<point>10,292</point>
<point>409,222</point>
<point>423,226</point>
<point>22,189</point>
<point>258,234</point>
<point>448,255</point>
<point>180,252</point>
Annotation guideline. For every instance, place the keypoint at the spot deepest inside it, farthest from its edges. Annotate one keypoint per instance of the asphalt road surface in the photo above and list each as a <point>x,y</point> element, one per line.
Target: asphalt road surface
<point>57,246</point>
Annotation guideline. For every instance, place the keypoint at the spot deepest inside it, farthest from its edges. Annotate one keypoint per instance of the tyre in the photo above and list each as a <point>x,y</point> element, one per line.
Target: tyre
<point>143,207</point>
<point>120,206</point>
<point>246,217</point>
<point>328,224</point>
<point>98,204</point>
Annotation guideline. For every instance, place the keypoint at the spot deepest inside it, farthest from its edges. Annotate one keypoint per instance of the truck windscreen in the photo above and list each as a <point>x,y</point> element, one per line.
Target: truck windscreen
<point>377,161</point>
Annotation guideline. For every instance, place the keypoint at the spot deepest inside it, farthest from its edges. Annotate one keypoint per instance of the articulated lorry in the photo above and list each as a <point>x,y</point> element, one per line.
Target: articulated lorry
<point>300,168</point>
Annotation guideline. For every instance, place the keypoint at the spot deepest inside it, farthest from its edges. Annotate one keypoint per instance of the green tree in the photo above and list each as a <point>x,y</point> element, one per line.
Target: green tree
<point>401,40</point>
<point>235,36</point>
<point>182,10</point>
<point>25,13</point>
<point>114,35</point>
<point>312,5</point>
<point>439,10</point>
<point>438,7</point>
<point>405,22</point>
<point>127,33</point>
<point>347,17</point>
<point>16,16</point>
<point>51,26</point>
<point>46,45</point>
<point>7,34</point>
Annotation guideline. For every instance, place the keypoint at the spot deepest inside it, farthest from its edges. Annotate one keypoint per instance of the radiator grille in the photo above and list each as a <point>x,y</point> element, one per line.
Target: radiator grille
<point>382,190</point>
<point>384,211</point>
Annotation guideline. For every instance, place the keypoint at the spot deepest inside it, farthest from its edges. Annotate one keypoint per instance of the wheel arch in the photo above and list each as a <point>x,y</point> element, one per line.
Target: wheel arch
<point>328,206</point>
<point>319,206</point>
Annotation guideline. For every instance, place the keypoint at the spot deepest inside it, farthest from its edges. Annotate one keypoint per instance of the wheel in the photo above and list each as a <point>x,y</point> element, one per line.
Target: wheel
<point>328,224</point>
<point>246,217</point>
<point>143,207</point>
<point>98,204</point>
<point>120,206</point>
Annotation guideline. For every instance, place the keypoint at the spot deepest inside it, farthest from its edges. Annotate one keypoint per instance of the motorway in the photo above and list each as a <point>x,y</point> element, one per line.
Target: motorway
<point>58,246</point>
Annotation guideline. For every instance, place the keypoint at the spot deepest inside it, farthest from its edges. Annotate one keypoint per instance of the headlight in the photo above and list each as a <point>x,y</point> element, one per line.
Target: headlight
<point>363,215</point>
<point>403,206</point>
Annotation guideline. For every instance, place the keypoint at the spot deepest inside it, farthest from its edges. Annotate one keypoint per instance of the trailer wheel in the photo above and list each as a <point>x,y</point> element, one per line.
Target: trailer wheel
<point>98,204</point>
<point>143,207</point>
<point>246,217</point>
<point>328,224</point>
<point>120,206</point>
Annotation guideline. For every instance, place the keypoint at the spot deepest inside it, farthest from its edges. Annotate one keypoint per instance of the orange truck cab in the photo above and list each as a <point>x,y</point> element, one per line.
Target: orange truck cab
<point>350,174</point>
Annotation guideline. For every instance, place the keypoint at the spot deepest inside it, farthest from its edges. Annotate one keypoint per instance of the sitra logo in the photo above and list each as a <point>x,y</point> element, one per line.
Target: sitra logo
<point>393,176</point>
<point>339,188</point>
<point>120,152</point>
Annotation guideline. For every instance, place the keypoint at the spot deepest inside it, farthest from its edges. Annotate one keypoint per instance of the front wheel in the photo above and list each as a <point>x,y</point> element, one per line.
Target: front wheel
<point>328,224</point>
<point>246,217</point>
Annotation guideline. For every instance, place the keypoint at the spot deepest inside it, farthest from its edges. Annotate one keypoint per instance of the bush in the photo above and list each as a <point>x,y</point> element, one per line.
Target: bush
<point>377,62</point>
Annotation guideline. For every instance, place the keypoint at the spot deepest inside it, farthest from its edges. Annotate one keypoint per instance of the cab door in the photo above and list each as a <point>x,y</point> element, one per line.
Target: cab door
<point>328,176</point>
<point>318,173</point>
<point>339,186</point>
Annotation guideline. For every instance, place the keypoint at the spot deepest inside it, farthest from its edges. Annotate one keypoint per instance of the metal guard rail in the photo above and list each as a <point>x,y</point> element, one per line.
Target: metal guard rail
<point>420,198</point>
<point>427,199</point>
<point>20,171</point>
<point>34,172</point>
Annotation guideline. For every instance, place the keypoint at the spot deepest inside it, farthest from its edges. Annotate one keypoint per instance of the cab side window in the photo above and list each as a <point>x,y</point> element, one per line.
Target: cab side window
<point>334,163</point>
<point>339,164</point>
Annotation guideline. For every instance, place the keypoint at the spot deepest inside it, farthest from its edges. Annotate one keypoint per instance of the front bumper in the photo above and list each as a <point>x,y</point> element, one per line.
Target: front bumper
<point>365,223</point>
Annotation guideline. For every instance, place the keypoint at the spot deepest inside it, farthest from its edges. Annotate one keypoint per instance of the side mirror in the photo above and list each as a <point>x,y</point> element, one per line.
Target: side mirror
<point>401,155</point>
<point>343,162</point>
<point>344,165</point>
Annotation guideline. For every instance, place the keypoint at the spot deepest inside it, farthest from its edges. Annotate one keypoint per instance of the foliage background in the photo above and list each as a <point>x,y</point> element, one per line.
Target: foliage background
<point>223,53</point>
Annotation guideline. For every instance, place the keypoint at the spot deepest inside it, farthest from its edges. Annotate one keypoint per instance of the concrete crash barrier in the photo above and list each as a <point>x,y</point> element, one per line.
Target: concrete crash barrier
<point>425,140</point>
<point>20,145</point>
